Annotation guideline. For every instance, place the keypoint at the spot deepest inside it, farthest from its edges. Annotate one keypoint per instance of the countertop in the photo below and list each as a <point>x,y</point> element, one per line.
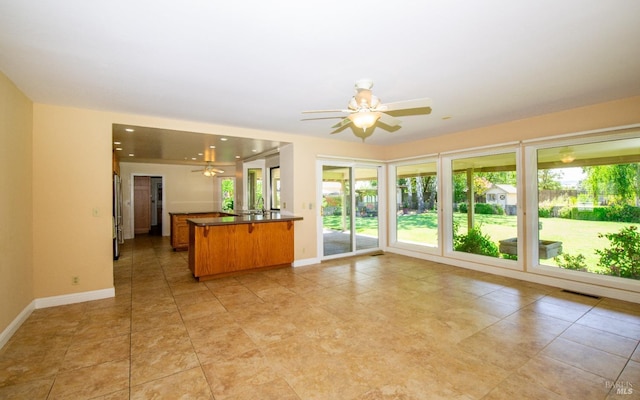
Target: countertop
<point>201,212</point>
<point>244,217</point>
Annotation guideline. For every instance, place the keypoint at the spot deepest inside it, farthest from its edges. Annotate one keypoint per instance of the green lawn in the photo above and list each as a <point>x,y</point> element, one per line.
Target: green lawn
<point>577,237</point>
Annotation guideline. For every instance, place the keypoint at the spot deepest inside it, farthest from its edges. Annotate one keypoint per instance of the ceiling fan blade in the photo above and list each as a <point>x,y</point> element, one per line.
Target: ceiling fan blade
<point>341,124</point>
<point>324,111</point>
<point>389,120</point>
<point>197,170</point>
<point>315,118</point>
<point>406,104</point>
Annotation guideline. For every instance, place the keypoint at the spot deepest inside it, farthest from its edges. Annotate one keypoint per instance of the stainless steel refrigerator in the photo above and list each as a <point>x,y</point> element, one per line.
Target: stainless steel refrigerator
<point>118,236</point>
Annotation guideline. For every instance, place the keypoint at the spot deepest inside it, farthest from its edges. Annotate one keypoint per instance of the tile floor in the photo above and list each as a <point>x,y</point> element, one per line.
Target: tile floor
<point>370,327</point>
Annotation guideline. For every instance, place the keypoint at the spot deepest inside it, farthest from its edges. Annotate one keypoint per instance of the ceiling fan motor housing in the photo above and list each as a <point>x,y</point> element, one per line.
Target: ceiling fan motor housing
<point>364,84</point>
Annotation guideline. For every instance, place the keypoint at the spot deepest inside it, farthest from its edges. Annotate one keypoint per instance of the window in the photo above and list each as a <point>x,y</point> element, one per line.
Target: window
<point>481,224</point>
<point>589,207</point>
<point>254,188</point>
<point>416,204</point>
<point>227,191</point>
<point>275,188</point>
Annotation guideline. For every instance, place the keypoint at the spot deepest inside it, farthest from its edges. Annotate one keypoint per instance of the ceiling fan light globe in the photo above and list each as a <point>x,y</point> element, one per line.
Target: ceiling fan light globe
<point>364,119</point>
<point>567,155</point>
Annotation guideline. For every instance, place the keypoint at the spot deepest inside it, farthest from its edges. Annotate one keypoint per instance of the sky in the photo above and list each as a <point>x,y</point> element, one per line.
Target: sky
<point>571,176</point>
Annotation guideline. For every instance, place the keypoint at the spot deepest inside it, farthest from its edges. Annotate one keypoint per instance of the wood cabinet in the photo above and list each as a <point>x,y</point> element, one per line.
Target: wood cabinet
<point>216,250</point>
<point>180,227</point>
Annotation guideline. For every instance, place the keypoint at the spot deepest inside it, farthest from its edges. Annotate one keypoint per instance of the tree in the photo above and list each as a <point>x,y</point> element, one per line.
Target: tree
<point>227,186</point>
<point>421,189</point>
<point>622,181</point>
<point>501,177</point>
<point>549,179</point>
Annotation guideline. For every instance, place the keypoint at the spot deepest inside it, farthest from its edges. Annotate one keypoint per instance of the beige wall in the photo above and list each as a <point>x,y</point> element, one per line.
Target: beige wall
<point>16,222</point>
<point>72,201</point>
<point>599,116</point>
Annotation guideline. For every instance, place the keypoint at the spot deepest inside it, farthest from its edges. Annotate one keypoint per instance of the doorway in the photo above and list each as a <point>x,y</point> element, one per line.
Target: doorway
<point>156,206</point>
<point>147,205</point>
<point>349,214</point>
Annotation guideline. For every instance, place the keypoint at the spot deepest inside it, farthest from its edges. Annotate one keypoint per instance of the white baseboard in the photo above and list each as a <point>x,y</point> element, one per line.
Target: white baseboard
<point>305,262</point>
<point>6,334</point>
<point>72,298</point>
<point>52,301</point>
<point>582,287</point>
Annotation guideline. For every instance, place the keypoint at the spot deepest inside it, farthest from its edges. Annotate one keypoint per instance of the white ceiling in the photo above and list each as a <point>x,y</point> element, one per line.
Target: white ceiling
<point>258,64</point>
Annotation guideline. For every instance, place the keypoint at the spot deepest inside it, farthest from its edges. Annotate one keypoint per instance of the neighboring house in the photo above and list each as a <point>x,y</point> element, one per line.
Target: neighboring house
<point>502,195</point>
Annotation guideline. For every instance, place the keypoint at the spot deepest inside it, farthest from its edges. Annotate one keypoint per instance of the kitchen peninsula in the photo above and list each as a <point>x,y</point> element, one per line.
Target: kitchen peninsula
<point>228,244</point>
<point>180,227</point>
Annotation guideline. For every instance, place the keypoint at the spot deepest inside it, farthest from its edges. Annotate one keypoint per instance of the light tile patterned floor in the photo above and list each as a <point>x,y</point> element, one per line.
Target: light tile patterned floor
<point>369,327</point>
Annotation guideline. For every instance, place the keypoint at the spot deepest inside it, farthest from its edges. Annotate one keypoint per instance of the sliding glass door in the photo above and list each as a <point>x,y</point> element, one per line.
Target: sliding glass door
<point>349,212</point>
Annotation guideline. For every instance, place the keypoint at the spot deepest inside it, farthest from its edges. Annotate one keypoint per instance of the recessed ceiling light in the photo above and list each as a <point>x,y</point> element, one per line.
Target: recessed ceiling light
<point>200,154</point>
<point>254,150</point>
<point>193,158</point>
<point>237,156</point>
<point>212,147</point>
<point>447,117</point>
<point>119,148</point>
<point>224,139</point>
<point>130,130</point>
<point>117,142</point>
<point>131,154</point>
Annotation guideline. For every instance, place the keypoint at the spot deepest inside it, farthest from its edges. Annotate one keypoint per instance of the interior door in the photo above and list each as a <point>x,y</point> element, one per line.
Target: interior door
<point>349,213</point>
<point>142,204</point>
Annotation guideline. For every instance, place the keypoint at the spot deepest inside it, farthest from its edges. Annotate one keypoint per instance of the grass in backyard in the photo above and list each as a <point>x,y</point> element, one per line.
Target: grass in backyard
<point>577,237</point>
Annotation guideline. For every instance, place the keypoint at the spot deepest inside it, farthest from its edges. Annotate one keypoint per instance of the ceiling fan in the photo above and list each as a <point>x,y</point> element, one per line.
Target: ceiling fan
<point>365,109</point>
<point>209,170</point>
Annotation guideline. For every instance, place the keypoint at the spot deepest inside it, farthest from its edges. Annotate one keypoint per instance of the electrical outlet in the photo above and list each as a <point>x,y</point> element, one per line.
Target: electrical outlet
<point>75,280</point>
<point>96,212</point>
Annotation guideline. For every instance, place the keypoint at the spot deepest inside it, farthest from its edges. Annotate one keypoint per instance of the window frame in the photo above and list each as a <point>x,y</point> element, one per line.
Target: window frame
<point>447,207</point>
<point>531,166</point>
<point>393,209</point>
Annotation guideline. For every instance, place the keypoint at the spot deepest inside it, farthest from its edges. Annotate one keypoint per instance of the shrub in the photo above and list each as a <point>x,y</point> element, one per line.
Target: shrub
<point>615,213</point>
<point>567,261</point>
<point>227,204</point>
<point>545,212</point>
<point>565,212</point>
<point>483,208</point>
<point>622,213</point>
<point>623,257</point>
<point>475,242</point>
